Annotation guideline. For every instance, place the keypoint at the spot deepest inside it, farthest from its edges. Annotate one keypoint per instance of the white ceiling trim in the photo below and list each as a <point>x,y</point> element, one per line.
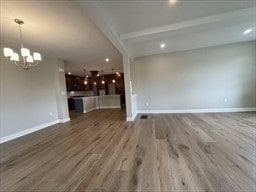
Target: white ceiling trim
<point>191,23</point>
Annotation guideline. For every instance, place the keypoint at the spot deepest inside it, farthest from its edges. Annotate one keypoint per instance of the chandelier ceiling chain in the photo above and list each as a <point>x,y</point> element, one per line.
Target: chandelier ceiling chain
<point>20,22</point>
<point>28,60</point>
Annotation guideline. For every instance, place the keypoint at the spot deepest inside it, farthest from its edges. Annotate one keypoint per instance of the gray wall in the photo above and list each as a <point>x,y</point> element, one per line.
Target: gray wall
<point>215,77</point>
<point>33,97</point>
<point>60,91</point>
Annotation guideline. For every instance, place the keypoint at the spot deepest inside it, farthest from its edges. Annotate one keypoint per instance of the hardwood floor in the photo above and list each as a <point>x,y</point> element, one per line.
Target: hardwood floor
<point>99,151</point>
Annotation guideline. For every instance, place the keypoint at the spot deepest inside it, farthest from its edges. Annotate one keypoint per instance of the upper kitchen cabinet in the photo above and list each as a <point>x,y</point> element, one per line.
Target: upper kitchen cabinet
<point>75,83</point>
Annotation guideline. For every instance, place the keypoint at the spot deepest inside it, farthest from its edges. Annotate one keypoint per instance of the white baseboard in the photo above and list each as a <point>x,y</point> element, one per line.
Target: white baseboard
<point>103,107</point>
<point>132,118</point>
<point>31,130</point>
<point>213,110</point>
<point>64,120</point>
<point>129,119</point>
<point>90,110</point>
<point>110,107</point>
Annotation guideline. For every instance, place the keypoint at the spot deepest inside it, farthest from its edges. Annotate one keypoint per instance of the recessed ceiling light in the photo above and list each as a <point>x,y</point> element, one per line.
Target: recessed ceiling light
<point>172,2</point>
<point>162,45</point>
<point>247,31</point>
<point>107,59</point>
<point>69,73</point>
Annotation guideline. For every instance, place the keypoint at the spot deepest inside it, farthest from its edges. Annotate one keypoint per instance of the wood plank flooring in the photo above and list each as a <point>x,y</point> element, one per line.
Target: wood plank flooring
<point>99,151</point>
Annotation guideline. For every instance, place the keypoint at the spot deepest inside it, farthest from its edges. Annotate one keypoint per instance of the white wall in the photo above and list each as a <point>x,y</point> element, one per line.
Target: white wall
<point>61,93</point>
<point>134,106</point>
<point>109,101</point>
<point>31,99</point>
<point>208,78</point>
<point>128,88</point>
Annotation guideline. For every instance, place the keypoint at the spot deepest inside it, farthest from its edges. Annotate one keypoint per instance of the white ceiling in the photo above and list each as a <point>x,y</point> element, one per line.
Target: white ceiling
<point>143,25</point>
<point>59,29</point>
<point>130,16</point>
<point>62,28</point>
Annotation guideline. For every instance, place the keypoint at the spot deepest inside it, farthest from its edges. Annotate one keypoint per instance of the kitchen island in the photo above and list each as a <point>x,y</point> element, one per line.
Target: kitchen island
<point>86,104</point>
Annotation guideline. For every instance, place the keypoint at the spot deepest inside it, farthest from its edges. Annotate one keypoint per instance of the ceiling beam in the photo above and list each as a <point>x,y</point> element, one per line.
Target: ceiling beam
<point>98,15</point>
<point>190,23</point>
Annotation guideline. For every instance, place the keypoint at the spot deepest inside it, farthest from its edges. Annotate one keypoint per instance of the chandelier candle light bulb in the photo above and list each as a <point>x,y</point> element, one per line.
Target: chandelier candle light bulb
<point>8,52</point>
<point>28,60</point>
<point>15,57</point>
<point>25,52</point>
<point>37,56</point>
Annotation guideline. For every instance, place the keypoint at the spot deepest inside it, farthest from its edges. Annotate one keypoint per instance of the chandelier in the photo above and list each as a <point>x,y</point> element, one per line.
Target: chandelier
<point>27,59</point>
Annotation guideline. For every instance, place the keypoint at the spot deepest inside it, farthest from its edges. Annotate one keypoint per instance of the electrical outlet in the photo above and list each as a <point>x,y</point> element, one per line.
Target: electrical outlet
<point>50,113</point>
<point>147,103</point>
<point>225,100</point>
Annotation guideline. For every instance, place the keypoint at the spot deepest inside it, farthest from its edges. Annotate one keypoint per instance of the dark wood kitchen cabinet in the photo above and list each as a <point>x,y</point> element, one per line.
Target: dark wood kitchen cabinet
<point>78,84</point>
<point>75,83</point>
<point>69,83</point>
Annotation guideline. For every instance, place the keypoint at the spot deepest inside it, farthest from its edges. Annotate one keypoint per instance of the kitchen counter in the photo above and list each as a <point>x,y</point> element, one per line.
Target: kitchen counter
<point>86,104</point>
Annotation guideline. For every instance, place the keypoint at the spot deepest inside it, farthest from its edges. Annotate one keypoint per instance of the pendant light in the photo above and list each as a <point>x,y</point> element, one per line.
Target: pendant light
<point>103,81</point>
<point>113,80</point>
<point>85,78</point>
